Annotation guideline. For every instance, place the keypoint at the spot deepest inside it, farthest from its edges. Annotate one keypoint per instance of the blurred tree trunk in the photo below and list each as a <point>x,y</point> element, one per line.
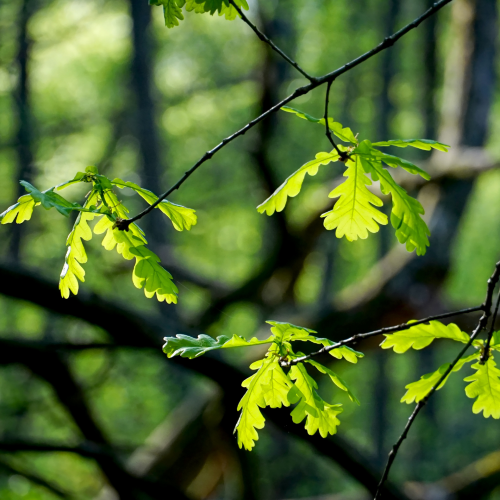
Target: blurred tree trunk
<point>144,117</point>
<point>416,290</point>
<point>386,110</point>
<point>426,357</point>
<point>24,132</point>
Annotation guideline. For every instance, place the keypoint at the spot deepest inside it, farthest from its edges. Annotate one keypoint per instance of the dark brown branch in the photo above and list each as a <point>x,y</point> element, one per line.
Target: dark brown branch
<point>343,156</point>
<point>486,351</point>
<point>267,40</point>
<point>483,321</point>
<point>389,329</point>
<point>329,77</point>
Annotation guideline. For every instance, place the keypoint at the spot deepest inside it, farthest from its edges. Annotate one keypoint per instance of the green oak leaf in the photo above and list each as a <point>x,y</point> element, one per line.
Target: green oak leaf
<point>339,382</point>
<point>172,11</point>
<point>268,386</point>
<point>347,353</point>
<point>293,184</point>
<point>425,144</point>
<point>189,347</point>
<point>395,161</point>
<point>354,213</point>
<point>420,336</point>
<point>181,217</point>
<point>406,211</point>
<point>343,133</point>
<point>72,270</point>
<point>48,199</point>
<point>485,386</point>
<point>319,414</point>
<point>416,391</point>
<point>20,211</point>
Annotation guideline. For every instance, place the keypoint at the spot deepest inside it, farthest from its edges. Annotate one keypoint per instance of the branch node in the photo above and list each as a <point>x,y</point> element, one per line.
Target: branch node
<point>122,224</point>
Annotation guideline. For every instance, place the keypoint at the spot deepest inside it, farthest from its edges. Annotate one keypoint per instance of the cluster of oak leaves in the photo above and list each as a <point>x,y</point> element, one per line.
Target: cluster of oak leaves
<point>354,215</point>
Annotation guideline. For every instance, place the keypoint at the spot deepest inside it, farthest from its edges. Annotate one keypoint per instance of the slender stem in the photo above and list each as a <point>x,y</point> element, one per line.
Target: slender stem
<point>483,321</point>
<point>486,351</point>
<point>343,156</point>
<point>267,40</point>
<point>329,77</point>
<point>388,329</point>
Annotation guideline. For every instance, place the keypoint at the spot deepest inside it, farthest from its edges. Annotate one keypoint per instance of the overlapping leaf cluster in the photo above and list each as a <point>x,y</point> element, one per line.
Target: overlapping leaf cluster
<point>270,385</point>
<point>484,382</point>
<point>103,203</point>
<point>172,9</point>
<point>356,212</point>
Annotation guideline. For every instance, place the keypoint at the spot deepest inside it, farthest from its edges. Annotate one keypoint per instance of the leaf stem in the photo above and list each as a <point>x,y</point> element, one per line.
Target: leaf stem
<point>486,350</point>
<point>343,156</point>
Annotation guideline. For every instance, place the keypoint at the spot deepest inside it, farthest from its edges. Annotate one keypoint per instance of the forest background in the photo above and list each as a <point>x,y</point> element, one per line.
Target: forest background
<point>95,82</point>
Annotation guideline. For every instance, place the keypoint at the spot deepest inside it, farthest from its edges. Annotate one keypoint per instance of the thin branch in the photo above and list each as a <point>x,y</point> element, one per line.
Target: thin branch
<point>343,156</point>
<point>483,321</point>
<point>388,329</point>
<point>267,40</point>
<point>329,77</point>
<point>486,350</point>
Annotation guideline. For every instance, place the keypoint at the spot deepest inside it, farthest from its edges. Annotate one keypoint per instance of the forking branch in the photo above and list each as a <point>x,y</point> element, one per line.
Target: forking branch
<point>316,82</point>
<point>483,321</point>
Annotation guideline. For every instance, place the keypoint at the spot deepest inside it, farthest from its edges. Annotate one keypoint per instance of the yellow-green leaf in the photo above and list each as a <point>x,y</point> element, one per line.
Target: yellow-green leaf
<point>292,186</point>
<point>251,417</point>
<point>485,386</point>
<point>20,211</point>
<point>181,217</point>
<point>416,391</point>
<point>319,415</point>
<point>420,336</point>
<point>336,379</point>
<point>354,213</point>
<point>425,144</point>
<point>72,270</point>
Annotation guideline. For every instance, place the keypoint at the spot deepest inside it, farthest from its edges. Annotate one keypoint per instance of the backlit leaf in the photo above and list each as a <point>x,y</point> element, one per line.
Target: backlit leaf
<point>485,386</point>
<point>268,383</point>
<point>406,211</point>
<point>420,336</point>
<point>319,415</point>
<point>425,144</point>
<point>181,217</point>
<point>354,213</point>
<point>343,133</point>
<point>334,378</point>
<point>189,347</point>
<point>292,186</point>
<point>20,211</point>
<point>416,391</point>
<point>72,270</point>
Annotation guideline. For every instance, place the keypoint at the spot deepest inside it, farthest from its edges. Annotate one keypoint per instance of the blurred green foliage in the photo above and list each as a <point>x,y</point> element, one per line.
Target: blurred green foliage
<point>207,83</point>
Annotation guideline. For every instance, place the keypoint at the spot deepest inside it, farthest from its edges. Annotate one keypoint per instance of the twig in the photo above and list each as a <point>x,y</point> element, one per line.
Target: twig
<point>486,350</point>
<point>329,77</point>
<point>388,329</point>
<point>267,40</point>
<point>486,307</point>
<point>343,156</point>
